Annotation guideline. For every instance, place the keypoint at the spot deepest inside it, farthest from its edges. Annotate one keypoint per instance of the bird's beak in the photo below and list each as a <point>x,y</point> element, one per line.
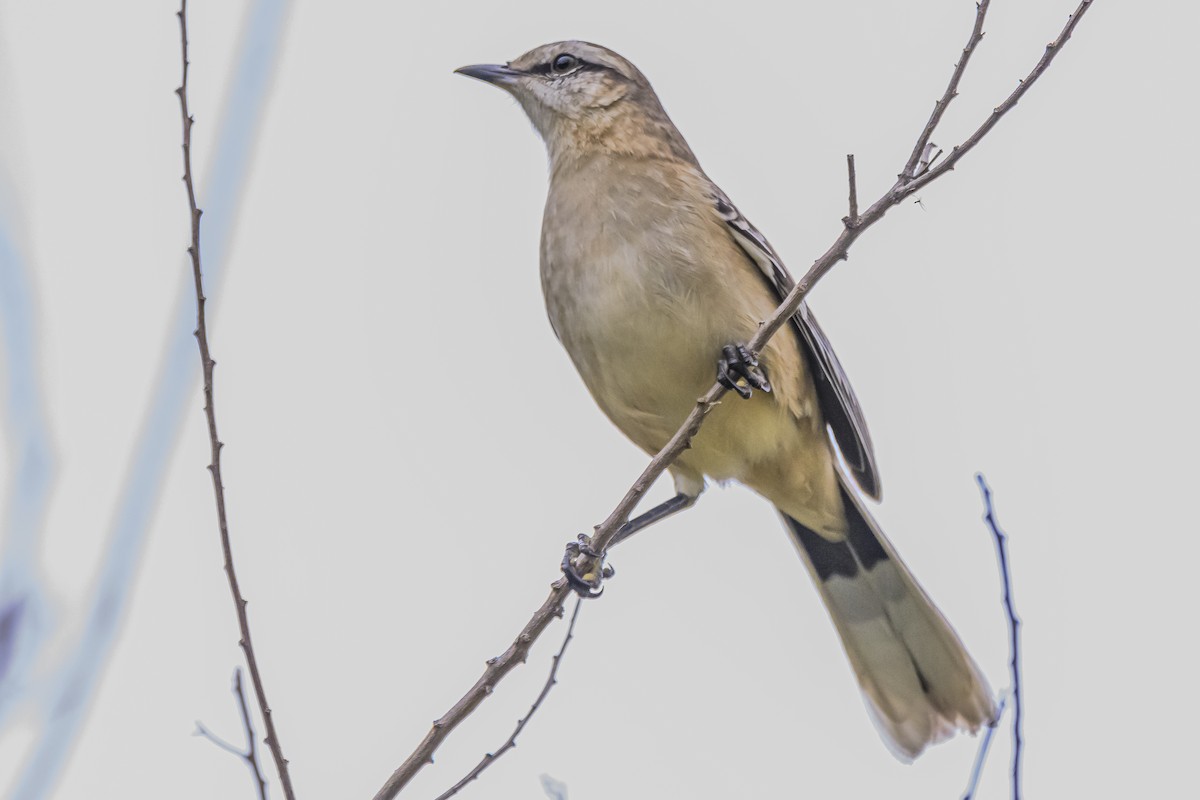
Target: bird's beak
<point>497,74</point>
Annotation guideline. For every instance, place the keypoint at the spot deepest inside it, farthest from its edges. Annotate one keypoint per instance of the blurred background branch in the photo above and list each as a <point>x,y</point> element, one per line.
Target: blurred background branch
<point>64,693</point>
<point>25,613</point>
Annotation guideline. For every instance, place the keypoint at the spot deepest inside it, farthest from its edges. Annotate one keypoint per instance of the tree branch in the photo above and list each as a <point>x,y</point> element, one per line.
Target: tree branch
<point>1014,630</point>
<point>521,723</point>
<point>905,186</point>
<point>250,754</point>
<point>214,467</point>
<point>921,148</point>
<point>985,744</point>
<point>851,221</point>
<point>496,669</point>
<point>204,732</point>
<point>1052,50</point>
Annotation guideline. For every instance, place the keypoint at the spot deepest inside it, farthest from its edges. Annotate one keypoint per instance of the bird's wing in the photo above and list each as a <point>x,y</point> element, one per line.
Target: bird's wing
<point>838,404</point>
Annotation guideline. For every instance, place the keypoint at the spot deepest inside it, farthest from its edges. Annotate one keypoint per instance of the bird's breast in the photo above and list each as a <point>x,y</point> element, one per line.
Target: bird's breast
<point>635,295</point>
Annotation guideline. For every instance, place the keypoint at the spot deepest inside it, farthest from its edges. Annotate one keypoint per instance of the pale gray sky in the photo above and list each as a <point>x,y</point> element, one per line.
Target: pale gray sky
<point>409,449</point>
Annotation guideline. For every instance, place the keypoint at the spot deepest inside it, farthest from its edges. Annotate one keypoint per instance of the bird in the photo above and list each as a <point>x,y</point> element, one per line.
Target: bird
<point>654,282</point>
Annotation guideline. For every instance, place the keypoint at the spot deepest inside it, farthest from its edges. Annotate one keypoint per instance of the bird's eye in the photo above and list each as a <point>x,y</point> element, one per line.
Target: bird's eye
<point>564,63</point>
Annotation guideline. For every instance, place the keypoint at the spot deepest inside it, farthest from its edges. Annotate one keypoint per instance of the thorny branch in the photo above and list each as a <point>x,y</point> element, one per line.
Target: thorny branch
<point>250,754</point>
<point>521,723</point>
<point>907,188</point>
<point>214,467</point>
<point>906,184</point>
<point>921,148</point>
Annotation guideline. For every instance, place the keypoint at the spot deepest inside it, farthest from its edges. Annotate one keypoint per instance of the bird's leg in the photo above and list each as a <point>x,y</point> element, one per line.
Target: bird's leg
<point>589,583</point>
<point>738,362</point>
<point>660,512</point>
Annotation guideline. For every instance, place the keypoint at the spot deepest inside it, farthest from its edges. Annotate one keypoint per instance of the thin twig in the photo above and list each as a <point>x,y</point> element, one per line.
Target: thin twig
<point>250,754</point>
<point>904,187</point>
<point>251,741</point>
<point>1014,630</point>
<point>495,671</point>
<point>956,153</point>
<point>985,744</point>
<point>214,467</point>
<point>204,732</point>
<point>487,760</point>
<point>939,107</point>
<point>852,220</point>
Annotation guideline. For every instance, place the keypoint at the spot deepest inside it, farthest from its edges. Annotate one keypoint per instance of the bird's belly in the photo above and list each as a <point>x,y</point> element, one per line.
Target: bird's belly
<point>643,364</point>
<point>647,362</point>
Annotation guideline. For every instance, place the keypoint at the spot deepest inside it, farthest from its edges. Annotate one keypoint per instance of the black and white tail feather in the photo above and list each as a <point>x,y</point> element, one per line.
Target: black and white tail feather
<point>918,680</point>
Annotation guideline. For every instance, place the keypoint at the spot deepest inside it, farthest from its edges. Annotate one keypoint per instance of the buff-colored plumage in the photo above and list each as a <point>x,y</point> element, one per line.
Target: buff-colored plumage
<point>648,272</point>
<point>645,339</point>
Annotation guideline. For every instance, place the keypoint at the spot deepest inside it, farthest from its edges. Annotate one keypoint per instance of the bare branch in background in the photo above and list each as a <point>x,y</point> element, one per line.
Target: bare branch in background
<point>521,723</point>
<point>70,679</point>
<point>250,754</point>
<point>554,789</point>
<point>906,184</point>
<point>214,467</point>
<point>1014,636</point>
<point>985,745</point>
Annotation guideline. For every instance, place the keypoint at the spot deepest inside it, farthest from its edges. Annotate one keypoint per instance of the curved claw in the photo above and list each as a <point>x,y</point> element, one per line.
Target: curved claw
<point>582,587</point>
<point>586,587</point>
<point>738,362</point>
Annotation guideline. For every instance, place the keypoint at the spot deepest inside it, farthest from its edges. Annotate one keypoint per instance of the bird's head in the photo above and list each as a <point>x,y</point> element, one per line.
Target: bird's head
<point>582,97</point>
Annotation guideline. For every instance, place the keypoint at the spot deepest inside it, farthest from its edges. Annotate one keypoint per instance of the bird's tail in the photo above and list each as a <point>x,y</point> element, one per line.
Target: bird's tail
<point>920,684</point>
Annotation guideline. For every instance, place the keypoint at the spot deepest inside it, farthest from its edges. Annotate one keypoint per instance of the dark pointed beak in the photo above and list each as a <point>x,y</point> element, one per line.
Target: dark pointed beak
<point>497,74</point>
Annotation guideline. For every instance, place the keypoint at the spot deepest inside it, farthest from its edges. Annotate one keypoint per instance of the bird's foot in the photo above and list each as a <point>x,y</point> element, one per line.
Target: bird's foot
<point>586,584</point>
<point>738,370</point>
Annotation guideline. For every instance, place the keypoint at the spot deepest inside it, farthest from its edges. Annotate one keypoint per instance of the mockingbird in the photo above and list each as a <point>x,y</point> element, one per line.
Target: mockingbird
<point>652,278</point>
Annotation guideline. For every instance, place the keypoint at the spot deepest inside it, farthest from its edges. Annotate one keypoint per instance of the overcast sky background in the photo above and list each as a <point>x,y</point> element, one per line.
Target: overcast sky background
<point>408,448</point>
